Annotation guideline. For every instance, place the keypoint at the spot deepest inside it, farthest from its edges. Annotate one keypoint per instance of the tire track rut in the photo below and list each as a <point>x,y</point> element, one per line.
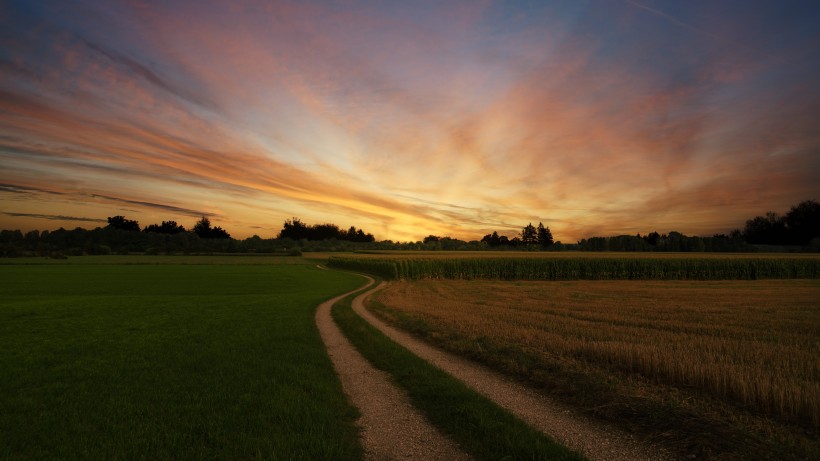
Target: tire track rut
<point>392,429</point>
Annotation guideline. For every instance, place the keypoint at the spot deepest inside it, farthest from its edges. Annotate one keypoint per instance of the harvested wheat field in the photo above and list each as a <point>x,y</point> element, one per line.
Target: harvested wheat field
<point>719,369</point>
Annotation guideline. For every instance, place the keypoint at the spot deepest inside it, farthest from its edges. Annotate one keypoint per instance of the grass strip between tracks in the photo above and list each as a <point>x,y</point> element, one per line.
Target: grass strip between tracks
<point>481,427</point>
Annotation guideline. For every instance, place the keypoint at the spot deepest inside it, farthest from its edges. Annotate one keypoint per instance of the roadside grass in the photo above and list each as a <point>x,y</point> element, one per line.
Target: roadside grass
<point>481,427</point>
<point>169,362</point>
<point>642,354</point>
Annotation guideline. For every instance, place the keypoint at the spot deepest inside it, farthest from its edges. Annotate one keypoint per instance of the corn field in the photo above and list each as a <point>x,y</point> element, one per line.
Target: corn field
<point>582,268</point>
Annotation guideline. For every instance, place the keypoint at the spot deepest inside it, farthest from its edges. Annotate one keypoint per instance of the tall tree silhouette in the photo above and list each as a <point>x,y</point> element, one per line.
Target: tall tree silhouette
<point>529,235</point>
<point>803,222</point>
<point>203,229</point>
<point>119,222</point>
<point>544,236</point>
<point>167,227</point>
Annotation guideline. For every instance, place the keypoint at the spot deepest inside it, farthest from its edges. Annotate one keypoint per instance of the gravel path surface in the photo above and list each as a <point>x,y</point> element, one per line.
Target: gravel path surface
<point>591,438</point>
<point>392,429</point>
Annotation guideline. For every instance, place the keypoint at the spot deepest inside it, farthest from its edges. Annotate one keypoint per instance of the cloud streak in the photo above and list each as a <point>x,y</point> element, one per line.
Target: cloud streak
<point>54,217</point>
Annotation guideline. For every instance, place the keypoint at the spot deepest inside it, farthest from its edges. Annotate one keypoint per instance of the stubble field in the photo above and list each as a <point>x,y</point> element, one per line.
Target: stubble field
<point>717,368</point>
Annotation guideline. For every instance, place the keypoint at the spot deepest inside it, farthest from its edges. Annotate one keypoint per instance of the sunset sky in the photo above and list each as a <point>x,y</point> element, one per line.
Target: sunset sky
<point>409,118</point>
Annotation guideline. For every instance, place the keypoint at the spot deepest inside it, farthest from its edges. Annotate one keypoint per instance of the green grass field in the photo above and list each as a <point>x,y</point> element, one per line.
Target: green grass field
<point>156,360</point>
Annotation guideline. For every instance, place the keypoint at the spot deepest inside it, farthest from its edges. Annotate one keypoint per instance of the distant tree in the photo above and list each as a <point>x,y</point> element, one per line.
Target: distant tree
<point>529,236</point>
<point>431,239</point>
<point>803,222</point>
<point>324,232</point>
<point>769,229</point>
<point>219,233</point>
<point>203,229</point>
<point>293,229</point>
<point>652,238</point>
<point>492,240</point>
<point>544,236</point>
<point>119,222</point>
<point>364,238</point>
<point>167,227</point>
<point>297,230</point>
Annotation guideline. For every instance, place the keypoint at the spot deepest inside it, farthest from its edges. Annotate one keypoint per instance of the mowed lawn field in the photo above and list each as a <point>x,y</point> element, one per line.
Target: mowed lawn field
<point>723,369</point>
<point>146,358</point>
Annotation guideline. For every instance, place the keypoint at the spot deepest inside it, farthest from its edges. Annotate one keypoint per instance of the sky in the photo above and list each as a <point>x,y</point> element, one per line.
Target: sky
<point>455,118</point>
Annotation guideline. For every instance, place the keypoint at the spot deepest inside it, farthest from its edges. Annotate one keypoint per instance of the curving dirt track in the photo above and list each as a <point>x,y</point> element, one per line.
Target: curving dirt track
<point>592,439</point>
<point>392,429</point>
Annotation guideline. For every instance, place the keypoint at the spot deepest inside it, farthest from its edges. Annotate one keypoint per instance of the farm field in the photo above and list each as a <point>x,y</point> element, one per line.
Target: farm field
<point>502,254</point>
<point>581,265</point>
<point>157,358</point>
<point>719,369</point>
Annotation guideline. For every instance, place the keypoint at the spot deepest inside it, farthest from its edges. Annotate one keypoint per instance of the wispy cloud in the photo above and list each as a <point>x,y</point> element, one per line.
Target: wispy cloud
<point>17,189</point>
<point>173,209</point>
<point>53,217</point>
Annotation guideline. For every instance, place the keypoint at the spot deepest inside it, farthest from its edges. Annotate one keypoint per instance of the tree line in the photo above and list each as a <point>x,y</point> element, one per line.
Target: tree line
<point>540,236</point>
<point>798,226</point>
<point>530,237</point>
<point>297,230</point>
<point>202,228</point>
<point>123,235</point>
<point>796,230</point>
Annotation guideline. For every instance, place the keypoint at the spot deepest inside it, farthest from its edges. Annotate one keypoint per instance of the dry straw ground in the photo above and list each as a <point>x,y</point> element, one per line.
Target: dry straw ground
<point>751,346</point>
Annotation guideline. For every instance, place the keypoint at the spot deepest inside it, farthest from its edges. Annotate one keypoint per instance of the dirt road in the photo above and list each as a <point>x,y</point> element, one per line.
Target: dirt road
<point>392,429</point>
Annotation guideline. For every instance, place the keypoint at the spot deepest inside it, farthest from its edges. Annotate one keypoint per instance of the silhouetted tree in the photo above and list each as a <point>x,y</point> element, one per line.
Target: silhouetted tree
<point>297,230</point>
<point>492,240</point>
<point>219,233</point>
<point>769,229</point>
<point>364,238</point>
<point>167,227</point>
<point>294,229</point>
<point>803,222</point>
<point>203,229</point>
<point>119,222</point>
<point>652,238</point>
<point>529,236</point>
<point>324,232</point>
<point>544,236</point>
<point>431,239</point>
